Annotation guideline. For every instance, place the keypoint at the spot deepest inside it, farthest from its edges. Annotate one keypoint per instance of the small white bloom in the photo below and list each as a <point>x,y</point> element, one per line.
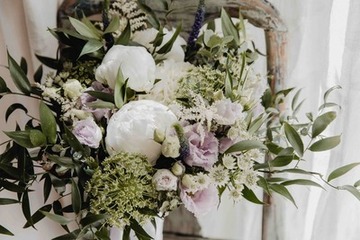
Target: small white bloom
<point>236,194</point>
<point>131,129</point>
<point>189,182</point>
<point>178,169</point>
<point>72,89</point>
<point>171,147</point>
<point>136,64</point>
<point>164,180</point>
<point>251,179</point>
<point>219,175</point>
<point>203,180</point>
<point>228,161</point>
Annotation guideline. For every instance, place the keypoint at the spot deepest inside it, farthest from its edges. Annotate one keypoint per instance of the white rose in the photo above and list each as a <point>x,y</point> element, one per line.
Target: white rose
<point>131,129</point>
<point>145,37</point>
<point>88,132</point>
<point>164,180</point>
<point>137,65</point>
<point>72,89</point>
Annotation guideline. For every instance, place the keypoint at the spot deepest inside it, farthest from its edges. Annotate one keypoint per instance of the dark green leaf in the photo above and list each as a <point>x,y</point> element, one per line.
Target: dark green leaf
<point>37,216</point>
<point>167,46</point>
<point>249,195</point>
<point>280,189</point>
<point>23,65</point>
<point>12,187</point>
<point>107,97</point>
<point>47,187</point>
<point>58,184</point>
<point>228,84</point>
<point>353,190</point>
<point>38,74</point>
<point>18,76</point>
<point>76,199</point>
<point>357,184</point>
<point>90,47</point>
<point>263,184</point>
<point>126,233</point>
<point>7,201</point>
<point>62,161</point>
<point>139,231</point>
<point>124,38</point>
<point>281,161</point>
<point>341,171</point>
<point>49,62</point>
<point>57,218</point>
<point>91,218</point>
<point>25,206</point>
<point>12,171</point>
<point>325,144</point>
<point>21,137</point>
<point>48,122</point>
<point>245,146</point>
<point>3,87</point>
<point>294,139</point>
<point>73,141</point>
<point>305,182</point>
<point>321,123</point>
<point>228,27</point>
<point>5,231</point>
<point>103,234</point>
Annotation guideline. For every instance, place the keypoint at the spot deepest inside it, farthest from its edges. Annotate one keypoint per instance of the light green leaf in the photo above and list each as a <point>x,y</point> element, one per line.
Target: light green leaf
<point>341,171</point>
<point>353,190</point>
<point>245,146</point>
<point>37,138</point>
<point>118,93</point>
<point>91,46</point>
<point>48,122</point>
<point>91,26</point>
<point>294,139</point>
<point>57,218</point>
<point>101,104</point>
<point>263,183</point>
<point>76,199</point>
<point>167,46</point>
<point>295,100</point>
<point>4,231</point>
<point>113,26</point>
<point>21,137</point>
<point>124,38</point>
<point>228,27</point>
<point>305,182</point>
<point>325,144</point>
<point>83,29</point>
<point>321,123</point>
<point>327,93</point>
<point>18,76</point>
<point>280,189</point>
<point>295,170</point>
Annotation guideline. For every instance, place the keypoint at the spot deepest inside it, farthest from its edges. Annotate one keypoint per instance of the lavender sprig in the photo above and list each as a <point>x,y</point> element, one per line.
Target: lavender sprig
<point>195,30</point>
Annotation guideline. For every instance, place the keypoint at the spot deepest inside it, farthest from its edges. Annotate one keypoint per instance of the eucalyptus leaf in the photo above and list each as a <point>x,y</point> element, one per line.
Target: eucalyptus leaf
<point>263,183</point>
<point>294,139</point>
<point>169,44</point>
<point>57,218</point>
<point>245,145</point>
<point>280,189</point>
<point>47,186</point>
<point>58,184</point>
<point>38,215</point>
<point>321,123</point>
<point>83,29</point>
<point>124,37</point>
<point>305,182</point>
<point>73,141</point>
<point>325,144</point>
<point>341,171</point>
<point>101,104</point>
<point>76,198</point>
<point>48,122</point>
<point>5,231</point>
<point>295,100</point>
<point>228,27</point>
<point>10,170</point>
<point>228,83</point>
<point>18,76</point>
<point>91,46</point>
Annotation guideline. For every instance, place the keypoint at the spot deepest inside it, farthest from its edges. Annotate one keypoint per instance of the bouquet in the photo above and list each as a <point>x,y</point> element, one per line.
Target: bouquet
<point>135,121</point>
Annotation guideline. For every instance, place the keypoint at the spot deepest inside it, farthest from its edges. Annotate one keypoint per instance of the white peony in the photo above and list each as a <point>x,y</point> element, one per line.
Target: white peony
<point>72,89</point>
<point>136,64</point>
<point>131,129</point>
<point>147,36</point>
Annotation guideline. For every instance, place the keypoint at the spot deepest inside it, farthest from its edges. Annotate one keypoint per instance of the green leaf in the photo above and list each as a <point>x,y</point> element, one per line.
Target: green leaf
<point>7,201</point>
<point>139,231</point>
<point>73,141</point>
<point>23,65</point>
<point>91,26</point>
<point>38,74</point>
<point>83,29</point>
<point>325,144</point>
<point>47,186</point>
<point>295,100</point>
<point>305,182</point>
<point>3,87</point>
<point>280,189</point>
<point>62,161</point>
<point>91,218</point>
<point>101,104</point>
<point>48,122</point>
<point>151,16</point>
<point>126,233</point>
<point>263,184</point>
<point>228,83</point>
<point>295,170</point>
<point>351,189</point>
<point>25,205</point>
<point>69,236</point>
<point>90,47</point>
<point>245,145</point>
<point>12,171</point>
<point>76,199</point>
<point>327,93</point>
<point>113,26</point>
<point>249,195</point>
<point>124,38</point>
<point>281,161</point>
<point>18,76</point>
<point>169,44</point>
<point>49,62</point>
<point>56,218</point>
<point>107,97</point>
<point>321,123</point>
<point>228,27</point>
<point>38,216</point>
<point>37,138</point>
<point>341,171</point>
<point>12,187</point>
<point>294,139</point>
<point>58,184</point>
<point>118,92</point>
<point>21,137</point>
<point>5,231</point>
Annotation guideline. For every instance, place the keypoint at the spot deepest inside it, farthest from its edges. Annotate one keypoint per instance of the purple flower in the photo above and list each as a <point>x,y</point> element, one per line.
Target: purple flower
<point>203,147</point>
<point>88,132</point>
<point>228,111</point>
<point>200,202</point>
<point>86,98</point>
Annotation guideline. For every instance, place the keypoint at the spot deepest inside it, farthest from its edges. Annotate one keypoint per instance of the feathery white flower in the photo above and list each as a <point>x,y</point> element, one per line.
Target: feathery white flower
<point>219,175</point>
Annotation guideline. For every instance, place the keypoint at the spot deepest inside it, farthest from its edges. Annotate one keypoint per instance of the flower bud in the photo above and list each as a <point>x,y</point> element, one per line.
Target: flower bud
<point>178,169</point>
<point>188,181</point>
<point>159,136</point>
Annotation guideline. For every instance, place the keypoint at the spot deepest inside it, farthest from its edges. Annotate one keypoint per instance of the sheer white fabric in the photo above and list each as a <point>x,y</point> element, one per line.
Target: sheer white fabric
<point>323,50</point>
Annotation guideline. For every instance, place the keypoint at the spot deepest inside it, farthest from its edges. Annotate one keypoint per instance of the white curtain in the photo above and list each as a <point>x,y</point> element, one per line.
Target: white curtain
<point>323,50</point>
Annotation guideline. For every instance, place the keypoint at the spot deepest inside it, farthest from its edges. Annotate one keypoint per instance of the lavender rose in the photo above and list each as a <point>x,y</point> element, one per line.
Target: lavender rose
<point>88,132</point>
<point>227,111</point>
<point>137,65</point>
<point>165,180</point>
<point>200,202</point>
<point>203,147</point>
